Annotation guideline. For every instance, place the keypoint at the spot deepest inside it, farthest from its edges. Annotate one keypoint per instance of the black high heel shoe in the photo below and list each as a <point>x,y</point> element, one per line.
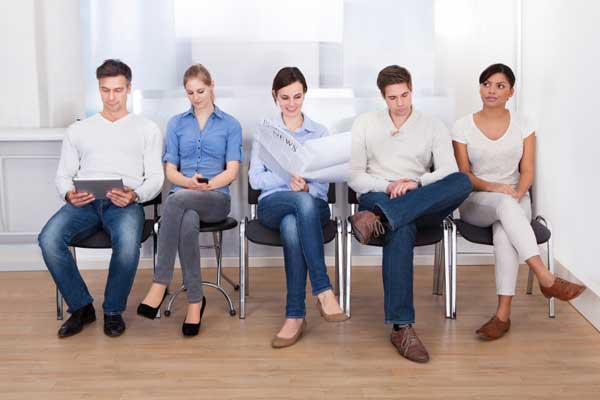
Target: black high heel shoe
<point>151,312</point>
<point>193,329</point>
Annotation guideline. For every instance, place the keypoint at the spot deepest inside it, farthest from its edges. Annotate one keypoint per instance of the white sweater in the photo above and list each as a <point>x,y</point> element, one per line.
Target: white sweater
<point>381,153</point>
<point>129,148</point>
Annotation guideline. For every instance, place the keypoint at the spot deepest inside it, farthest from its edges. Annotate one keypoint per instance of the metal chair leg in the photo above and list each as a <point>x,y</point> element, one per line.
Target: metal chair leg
<point>438,277</point>
<point>348,277</point>
<point>454,270</point>
<point>172,300</point>
<point>551,267</point>
<point>447,282</point>
<point>551,310</point>
<point>336,285</point>
<point>339,262</point>
<point>232,311</point>
<point>530,281</point>
<point>59,305</point>
<point>243,260</point>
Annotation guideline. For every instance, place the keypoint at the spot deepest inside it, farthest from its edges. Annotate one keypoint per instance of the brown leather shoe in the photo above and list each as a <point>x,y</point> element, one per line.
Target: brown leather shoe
<point>562,290</point>
<point>279,342</point>
<point>493,329</point>
<point>339,317</point>
<point>366,225</point>
<point>408,344</point>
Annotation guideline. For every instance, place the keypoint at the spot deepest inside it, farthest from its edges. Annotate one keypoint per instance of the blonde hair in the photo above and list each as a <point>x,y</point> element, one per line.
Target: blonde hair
<point>198,71</point>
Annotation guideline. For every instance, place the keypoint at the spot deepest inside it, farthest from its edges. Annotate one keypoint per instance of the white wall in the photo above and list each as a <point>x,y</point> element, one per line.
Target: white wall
<point>560,82</point>
<point>40,73</point>
<point>469,36</point>
<point>19,102</point>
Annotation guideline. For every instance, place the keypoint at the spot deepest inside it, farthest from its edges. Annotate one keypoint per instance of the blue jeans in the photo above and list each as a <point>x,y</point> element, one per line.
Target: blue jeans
<point>70,223</point>
<point>299,217</point>
<point>419,208</point>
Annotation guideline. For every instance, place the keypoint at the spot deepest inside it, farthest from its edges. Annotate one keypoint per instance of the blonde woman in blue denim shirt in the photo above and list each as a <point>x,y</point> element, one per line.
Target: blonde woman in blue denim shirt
<point>297,209</point>
<point>202,156</point>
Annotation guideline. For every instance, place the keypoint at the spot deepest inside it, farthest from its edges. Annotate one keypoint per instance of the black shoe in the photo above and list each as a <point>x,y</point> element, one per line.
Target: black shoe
<point>150,312</point>
<point>193,329</point>
<point>85,315</point>
<point>113,325</point>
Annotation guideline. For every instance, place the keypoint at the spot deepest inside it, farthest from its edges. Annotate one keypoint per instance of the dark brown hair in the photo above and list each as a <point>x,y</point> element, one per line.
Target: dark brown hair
<point>286,76</point>
<point>113,67</point>
<point>391,75</point>
<point>498,69</point>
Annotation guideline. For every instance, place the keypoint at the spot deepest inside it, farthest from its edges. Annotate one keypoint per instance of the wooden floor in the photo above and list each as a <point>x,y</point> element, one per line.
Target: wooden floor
<point>540,358</point>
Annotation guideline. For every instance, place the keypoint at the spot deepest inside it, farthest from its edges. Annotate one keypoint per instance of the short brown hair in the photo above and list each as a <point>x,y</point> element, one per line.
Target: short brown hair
<point>391,75</point>
<point>112,68</point>
<point>286,76</point>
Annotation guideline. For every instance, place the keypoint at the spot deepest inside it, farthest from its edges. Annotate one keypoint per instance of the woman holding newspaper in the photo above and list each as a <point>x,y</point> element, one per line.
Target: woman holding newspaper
<point>202,157</point>
<point>297,208</point>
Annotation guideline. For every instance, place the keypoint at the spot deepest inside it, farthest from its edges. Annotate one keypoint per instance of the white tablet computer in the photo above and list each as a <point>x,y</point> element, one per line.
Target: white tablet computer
<point>97,187</point>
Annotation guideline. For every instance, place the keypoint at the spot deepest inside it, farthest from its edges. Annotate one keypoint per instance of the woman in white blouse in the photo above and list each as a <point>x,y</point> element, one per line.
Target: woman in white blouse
<point>496,149</point>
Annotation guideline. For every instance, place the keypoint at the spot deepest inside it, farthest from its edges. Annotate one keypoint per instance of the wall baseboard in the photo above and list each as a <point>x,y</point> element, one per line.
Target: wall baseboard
<point>588,304</point>
<point>30,263</point>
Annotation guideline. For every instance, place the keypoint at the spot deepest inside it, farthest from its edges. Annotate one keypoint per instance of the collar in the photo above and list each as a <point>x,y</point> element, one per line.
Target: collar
<point>389,124</point>
<point>217,112</point>
<point>308,125</point>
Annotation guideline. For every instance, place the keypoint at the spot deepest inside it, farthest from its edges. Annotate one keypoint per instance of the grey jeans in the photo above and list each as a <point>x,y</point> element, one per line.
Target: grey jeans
<point>180,221</point>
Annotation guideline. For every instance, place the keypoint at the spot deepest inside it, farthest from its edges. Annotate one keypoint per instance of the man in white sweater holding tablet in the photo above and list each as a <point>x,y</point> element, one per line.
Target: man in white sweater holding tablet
<point>403,167</point>
<point>112,144</point>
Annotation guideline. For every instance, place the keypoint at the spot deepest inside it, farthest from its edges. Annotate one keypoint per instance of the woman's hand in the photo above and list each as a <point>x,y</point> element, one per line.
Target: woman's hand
<point>194,183</point>
<point>298,184</point>
<point>506,189</point>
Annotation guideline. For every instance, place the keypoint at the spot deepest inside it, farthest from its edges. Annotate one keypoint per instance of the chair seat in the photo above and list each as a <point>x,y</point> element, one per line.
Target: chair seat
<point>260,234</point>
<point>425,237</point>
<point>101,240</point>
<point>485,235</point>
<point>225,225</point>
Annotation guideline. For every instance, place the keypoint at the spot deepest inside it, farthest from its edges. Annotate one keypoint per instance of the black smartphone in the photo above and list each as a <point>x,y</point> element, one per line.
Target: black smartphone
<point>202,180</point>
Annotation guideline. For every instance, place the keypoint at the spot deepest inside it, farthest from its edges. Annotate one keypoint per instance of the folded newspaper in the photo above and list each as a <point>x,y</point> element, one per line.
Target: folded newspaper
<point>326,159</point>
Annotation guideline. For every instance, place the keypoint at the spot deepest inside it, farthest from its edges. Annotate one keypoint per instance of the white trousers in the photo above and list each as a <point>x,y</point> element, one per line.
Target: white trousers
<point>514,239</point>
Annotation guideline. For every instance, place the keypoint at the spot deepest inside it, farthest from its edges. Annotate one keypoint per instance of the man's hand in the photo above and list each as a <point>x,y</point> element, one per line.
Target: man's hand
<point>298,184</point>
<point>195,184</point>
<point>122,197</point>
<point>79,199</point>
<point>400,187</point>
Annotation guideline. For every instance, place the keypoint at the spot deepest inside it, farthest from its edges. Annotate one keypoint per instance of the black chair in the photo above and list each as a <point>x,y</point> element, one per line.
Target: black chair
<point>542,230</point>
<point>253,231</point>
<point>216,229</point>
<point>444,238</point>
<point>101,240</point>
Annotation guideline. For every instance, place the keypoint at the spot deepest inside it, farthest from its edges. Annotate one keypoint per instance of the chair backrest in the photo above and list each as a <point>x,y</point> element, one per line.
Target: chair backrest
<point>253,194</point>
<point>352,199</point>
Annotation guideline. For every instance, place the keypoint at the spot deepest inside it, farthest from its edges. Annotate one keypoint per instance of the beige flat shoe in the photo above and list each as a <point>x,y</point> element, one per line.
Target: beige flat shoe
<point>279,342</point>
<point>338,317</point>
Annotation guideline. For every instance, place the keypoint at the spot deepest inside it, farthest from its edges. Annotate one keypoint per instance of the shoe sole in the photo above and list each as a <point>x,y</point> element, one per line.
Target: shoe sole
<point>357,235</point>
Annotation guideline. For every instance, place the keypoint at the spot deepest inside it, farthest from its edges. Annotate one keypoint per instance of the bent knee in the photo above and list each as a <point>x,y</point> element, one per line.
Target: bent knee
<point>305,203</point>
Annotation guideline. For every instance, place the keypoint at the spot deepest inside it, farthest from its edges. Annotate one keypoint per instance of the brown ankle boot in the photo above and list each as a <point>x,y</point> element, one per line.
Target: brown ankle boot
<point>493,329</point>
<point>366,225</point>
<point>562,290</point>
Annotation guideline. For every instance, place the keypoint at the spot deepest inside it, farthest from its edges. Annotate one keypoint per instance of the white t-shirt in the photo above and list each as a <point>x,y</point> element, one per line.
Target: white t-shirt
<point>494,160</point>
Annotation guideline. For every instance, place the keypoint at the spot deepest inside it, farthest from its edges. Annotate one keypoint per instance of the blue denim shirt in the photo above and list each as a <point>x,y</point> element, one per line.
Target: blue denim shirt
<point>265,180</point>
<point>204,151</point>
